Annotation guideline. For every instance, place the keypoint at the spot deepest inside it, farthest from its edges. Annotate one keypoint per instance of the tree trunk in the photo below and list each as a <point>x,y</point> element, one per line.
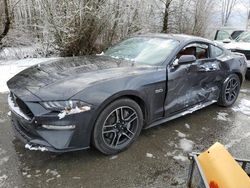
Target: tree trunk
<point>166,17</point>
<point>7,21</point>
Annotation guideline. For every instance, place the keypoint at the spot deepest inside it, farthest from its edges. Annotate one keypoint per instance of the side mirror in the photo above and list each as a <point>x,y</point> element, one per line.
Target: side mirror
<point>226,41</point>
<point>185,59</point>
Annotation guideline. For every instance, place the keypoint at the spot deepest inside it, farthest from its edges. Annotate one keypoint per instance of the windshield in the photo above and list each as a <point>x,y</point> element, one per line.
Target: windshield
<point>244,37</point>
<point>143,50</point>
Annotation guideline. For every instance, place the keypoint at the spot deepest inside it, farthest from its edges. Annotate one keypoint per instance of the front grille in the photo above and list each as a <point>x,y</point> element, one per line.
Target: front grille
<point>23,107</point>
<point>245,52</point>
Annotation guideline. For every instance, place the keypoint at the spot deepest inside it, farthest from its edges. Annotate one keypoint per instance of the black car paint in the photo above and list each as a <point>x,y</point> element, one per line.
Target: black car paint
<point>164,91</point>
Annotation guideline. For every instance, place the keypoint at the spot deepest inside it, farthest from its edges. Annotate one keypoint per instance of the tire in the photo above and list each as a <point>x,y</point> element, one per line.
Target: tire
<point>118,126</point>
<point>229,91</point>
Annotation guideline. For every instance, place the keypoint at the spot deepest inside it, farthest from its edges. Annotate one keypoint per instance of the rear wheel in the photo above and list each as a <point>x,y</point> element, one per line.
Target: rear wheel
<point>118,126</point>
<point>230,91</point>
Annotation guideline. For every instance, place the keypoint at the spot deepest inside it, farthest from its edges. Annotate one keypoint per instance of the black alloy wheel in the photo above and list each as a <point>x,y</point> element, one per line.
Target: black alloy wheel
<point>230,91</point>
<point>118,126</point>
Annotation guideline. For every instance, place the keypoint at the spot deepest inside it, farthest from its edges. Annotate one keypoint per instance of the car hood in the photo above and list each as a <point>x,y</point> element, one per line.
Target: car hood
<point>62,79</point>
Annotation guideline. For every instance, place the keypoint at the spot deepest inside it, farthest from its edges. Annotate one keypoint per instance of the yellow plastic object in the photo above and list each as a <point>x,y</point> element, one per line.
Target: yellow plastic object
<point>221,170</point>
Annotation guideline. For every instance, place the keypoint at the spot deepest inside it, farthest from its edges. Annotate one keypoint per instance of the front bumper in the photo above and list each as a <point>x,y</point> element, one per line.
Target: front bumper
<point>36,137</point>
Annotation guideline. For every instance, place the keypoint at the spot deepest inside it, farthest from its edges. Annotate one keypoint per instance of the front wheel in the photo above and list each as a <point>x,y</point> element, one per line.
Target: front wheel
<point>230,91</point>
<point>118,126</point>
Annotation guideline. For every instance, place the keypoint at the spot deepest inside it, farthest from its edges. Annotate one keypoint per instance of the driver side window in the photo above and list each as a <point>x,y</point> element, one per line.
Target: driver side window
<point>199,50</point>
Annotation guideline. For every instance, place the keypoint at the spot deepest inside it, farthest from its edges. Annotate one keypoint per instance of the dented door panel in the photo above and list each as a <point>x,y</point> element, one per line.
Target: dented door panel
<point>192,84</point>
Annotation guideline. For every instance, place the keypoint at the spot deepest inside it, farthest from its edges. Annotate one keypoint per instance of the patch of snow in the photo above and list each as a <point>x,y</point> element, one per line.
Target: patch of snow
<point>180,134</point>
<point>236,141</point>
<point>4,160</point>
<point>172,144</point>
<point>243,107</point>
<point>186,145</point>
<point>2,120</point>
<point>50,179</point>
<point>149,155</point>
<point>113,157</point>
<point>28,176</point>
<point>62,115</point>
<point>8,69</point>
<point>26,168</point>
<point>9,113</point>
<point>2,180</point>
<point>180,157</point>
<point>35,148</point>
<point>21,52</point>
<point>245,91</point>
<point>222,116</point>
<point>197,107</point>
<point>75,110</point>
<point>187,126</point>
<point>100,54</point>
<point>170,154</point>
<point>53,172</point>
<point>205,129</point>
<point>16,109</point>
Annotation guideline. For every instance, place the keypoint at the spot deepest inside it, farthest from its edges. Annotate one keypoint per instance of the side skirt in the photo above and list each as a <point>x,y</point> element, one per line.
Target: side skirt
<point>188,111</point>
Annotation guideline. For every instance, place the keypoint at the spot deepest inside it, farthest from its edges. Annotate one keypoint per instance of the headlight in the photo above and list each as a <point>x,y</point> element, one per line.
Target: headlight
<point>66,105</point>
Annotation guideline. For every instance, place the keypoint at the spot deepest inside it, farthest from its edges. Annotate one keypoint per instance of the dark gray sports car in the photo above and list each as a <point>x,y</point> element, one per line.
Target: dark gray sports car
<point>105,100</point>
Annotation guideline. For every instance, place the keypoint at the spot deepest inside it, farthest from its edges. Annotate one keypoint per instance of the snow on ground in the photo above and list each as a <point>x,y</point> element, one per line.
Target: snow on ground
<point>11,67</point>
<point>186,145</point>
<point>181,149</point>
<point>21,52</point>
<point>245,90</point>
<point>243,107</point>
<point>180,157</point>
<point>2,180</point>
<point>149,155</point>
<point>222,116</point>
<point>187,126</point>
<point>180,134</point>
<point>2,120</point>
<point>3,160</point>
<point>53,172</point>
<point>113,157</point>
<point>236,141</point>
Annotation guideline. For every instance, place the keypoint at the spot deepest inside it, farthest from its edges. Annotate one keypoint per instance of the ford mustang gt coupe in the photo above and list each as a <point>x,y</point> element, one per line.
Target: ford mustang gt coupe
<point>106,100</point>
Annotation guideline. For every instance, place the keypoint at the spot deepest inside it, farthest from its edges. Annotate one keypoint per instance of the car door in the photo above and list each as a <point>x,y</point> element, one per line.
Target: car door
<point>193,83</point>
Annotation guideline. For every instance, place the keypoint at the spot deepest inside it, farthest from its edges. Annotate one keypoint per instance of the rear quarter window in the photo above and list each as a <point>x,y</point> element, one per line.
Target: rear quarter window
<point>216,51</point>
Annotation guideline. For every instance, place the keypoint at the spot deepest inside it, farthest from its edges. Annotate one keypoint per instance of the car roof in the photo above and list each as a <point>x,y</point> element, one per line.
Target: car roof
<point>180,37</point>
